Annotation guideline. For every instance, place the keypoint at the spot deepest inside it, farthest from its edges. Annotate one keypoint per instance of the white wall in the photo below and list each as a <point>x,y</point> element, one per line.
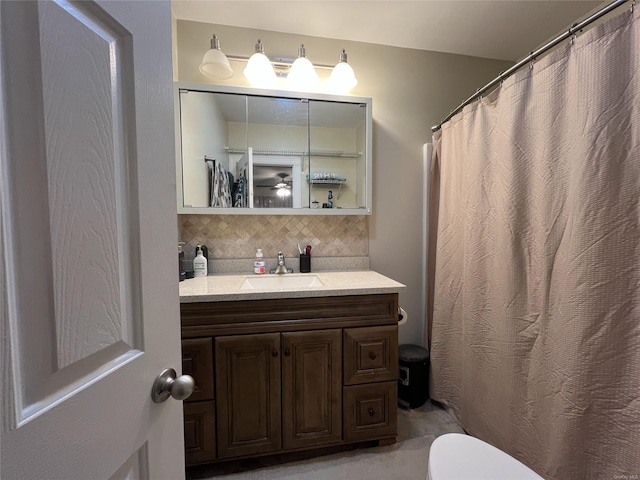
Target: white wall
<point>411,90</point>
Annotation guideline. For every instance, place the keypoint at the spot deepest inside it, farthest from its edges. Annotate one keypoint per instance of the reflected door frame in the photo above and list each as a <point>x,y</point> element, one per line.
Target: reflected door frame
<point>295,163</point>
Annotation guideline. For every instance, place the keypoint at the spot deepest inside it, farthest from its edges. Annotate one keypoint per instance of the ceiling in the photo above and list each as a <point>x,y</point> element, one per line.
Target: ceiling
<point>499,29</point>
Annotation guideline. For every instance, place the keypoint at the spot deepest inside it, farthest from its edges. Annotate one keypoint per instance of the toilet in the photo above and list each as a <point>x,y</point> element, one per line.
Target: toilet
<point>455,456</point>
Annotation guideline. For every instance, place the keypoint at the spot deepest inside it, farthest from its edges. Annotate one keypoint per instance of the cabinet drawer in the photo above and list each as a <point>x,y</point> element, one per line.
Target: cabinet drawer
<point>370,411</point>
<point>370,354</point>
<point>197,361</point>
<point>199,432</point>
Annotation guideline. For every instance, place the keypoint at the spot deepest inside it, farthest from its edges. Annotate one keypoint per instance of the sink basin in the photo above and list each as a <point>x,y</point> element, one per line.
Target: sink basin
<point>280,282</point>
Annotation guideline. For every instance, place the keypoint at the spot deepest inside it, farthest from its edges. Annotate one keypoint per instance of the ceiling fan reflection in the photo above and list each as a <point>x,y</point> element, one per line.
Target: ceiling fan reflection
<point>282,187</point>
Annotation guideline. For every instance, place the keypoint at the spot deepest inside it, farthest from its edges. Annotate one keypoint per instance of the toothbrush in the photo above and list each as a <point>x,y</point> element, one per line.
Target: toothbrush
<point>299,249</point>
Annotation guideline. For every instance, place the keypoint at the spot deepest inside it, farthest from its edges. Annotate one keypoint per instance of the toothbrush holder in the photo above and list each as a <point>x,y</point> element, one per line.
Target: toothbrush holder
<point>305,263</point>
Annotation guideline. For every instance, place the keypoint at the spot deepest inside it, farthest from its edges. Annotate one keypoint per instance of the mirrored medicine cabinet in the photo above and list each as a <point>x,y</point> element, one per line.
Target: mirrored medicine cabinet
<point>249,151</point>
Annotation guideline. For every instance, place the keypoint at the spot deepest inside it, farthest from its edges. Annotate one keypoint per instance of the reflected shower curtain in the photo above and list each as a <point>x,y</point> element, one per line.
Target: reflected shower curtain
<point>536,291</point>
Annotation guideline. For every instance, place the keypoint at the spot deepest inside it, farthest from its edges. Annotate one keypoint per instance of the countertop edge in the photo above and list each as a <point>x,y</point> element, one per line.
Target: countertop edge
<point>367,282</point>
<point>262,295</point>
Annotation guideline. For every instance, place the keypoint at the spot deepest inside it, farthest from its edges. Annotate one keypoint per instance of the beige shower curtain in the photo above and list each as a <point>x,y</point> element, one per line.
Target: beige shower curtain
<point>535,339</point>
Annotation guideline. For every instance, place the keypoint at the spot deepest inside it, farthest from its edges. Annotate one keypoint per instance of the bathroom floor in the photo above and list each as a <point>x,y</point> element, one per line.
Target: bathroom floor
<point>406,459</point>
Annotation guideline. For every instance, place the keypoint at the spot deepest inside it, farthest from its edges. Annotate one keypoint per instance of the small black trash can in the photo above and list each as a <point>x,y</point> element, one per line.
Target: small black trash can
<point>413,383</point>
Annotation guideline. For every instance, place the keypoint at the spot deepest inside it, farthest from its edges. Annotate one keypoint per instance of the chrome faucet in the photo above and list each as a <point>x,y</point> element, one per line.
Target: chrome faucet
<point>281,268</point>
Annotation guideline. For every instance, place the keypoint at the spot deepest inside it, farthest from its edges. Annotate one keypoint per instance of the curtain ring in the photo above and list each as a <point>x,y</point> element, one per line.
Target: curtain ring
<point>633,4</point>
<point>533,59</point>
<point>573,39</point>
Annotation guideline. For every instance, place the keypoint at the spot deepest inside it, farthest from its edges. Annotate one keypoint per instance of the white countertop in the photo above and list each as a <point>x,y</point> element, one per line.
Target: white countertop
<point>217,288</point>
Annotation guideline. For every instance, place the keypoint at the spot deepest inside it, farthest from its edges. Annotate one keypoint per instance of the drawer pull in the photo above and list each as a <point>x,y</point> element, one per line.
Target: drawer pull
<point>274,353</point>
<point>287,352</point>
<point>372,355</point>
<point>372,412</point>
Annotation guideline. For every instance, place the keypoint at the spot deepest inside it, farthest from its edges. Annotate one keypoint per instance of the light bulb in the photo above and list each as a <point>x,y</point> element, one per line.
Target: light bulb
<point>302,76</point>
<point>342,78</point>
<point>215,64</point>
<point>259,70</point>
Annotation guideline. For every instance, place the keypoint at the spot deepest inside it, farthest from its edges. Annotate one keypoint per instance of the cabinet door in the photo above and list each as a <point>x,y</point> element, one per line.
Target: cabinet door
<point>197,361</point>
<point>311,388</point>
<point>248,394</point>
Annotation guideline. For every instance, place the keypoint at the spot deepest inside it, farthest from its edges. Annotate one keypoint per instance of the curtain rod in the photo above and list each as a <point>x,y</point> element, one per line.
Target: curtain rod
<point>532,56</point>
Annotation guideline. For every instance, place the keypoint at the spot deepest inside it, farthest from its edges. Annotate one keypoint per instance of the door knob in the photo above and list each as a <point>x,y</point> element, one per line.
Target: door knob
<point>167,385</point>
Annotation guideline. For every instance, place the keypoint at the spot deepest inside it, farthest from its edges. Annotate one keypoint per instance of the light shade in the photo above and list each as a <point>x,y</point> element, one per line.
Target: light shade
<point>259,70</point>
<point>342,78</point>
<point>215,64</point>
<point>302,75</point>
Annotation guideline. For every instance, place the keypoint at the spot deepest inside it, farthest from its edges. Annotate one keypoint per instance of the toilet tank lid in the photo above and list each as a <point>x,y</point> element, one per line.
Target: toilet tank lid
<point>455,456</point>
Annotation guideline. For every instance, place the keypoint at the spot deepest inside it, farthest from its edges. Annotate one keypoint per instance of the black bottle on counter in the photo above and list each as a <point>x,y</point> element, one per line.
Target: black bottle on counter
<point>181,273</point>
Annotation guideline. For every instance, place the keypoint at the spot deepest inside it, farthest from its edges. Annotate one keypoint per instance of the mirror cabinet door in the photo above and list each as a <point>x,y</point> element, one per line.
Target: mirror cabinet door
<point>209,123</point>
<point>278,134</point>
<point>337,177</point>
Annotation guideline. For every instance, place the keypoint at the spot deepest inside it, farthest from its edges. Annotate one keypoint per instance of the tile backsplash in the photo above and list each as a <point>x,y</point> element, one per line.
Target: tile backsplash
<point>238,236</point>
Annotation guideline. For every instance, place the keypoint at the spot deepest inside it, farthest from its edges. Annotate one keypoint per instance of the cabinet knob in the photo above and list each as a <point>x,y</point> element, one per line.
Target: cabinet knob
<point>372,412</point>
<point>287,352</point>
<point>274,353</point>
<point>372,355</point>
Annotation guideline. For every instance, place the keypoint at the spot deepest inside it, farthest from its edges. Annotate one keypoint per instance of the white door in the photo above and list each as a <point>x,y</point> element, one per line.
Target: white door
<point>89,305</point>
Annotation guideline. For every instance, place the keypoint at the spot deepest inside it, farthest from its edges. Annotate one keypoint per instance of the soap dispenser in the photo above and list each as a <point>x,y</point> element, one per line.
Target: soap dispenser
<point>205,251</point>
<point>200,265</point>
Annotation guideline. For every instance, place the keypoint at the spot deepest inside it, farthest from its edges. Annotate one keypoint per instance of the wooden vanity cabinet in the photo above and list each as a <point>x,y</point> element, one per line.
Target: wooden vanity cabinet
<point>289,374</point>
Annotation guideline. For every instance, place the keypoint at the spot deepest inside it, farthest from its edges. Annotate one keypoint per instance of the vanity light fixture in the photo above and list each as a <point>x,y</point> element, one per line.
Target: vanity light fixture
<point>262,72</point>
<point>342,77</point>
<point>215,63</point>
<point>302,75</point>
<point>259,70</point>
